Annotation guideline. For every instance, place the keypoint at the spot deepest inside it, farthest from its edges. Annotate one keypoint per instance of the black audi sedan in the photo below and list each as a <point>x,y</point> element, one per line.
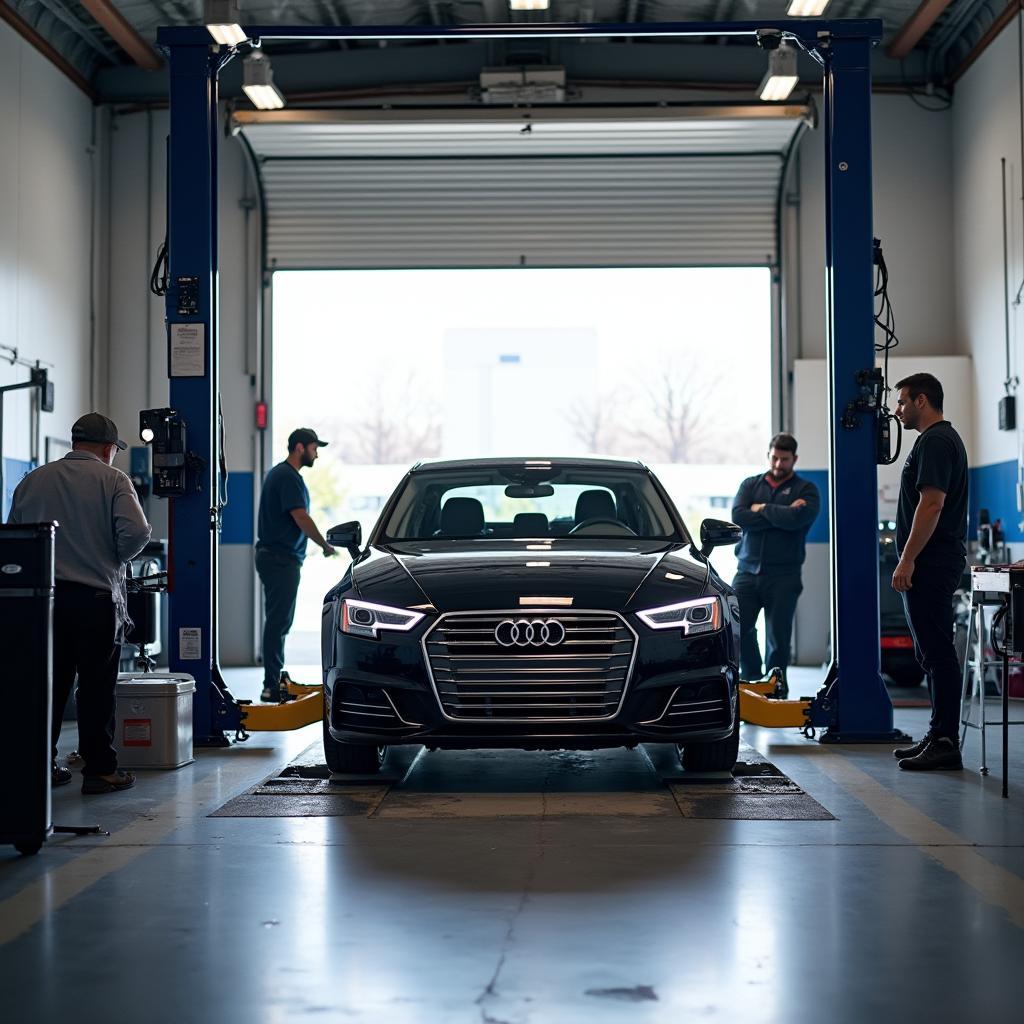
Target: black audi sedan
<point>531,603</point>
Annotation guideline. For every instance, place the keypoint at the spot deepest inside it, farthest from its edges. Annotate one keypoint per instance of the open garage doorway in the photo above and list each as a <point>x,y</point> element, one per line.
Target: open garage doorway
<point>668,365</point>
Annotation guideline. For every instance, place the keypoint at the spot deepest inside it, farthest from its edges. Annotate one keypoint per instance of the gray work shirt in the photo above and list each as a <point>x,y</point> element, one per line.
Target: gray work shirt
<point>101,523</point>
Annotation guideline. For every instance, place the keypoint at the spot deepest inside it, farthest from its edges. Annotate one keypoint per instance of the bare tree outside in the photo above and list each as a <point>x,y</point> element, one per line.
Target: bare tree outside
<point>390,424</point>
<point>594,422</point>
<point>672,423</point>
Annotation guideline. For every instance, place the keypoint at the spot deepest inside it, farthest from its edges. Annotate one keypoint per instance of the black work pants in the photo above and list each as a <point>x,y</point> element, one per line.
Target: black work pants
<point>929,608</point>
<point>85,644</point>
<point>279,575</point>
<point>776,594</point>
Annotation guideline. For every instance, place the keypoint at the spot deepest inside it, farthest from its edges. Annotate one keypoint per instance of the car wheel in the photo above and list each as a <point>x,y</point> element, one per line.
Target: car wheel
<point>28,849</point>
<point>717,756</point>
<point>352,758</point>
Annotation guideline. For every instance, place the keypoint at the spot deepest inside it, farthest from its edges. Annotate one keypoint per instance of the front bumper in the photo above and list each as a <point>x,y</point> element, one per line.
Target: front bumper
<point>380,691</point>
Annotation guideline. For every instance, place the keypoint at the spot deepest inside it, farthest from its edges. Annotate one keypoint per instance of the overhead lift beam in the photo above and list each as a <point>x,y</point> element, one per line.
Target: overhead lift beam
<point>853,705</point>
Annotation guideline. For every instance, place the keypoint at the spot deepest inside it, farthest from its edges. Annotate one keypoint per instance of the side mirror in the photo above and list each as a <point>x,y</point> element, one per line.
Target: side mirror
<point>346,535</point>
<point>714,533</point>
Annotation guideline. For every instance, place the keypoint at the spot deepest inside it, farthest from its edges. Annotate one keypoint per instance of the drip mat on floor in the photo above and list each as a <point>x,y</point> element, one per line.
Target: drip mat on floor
<point>645,783</point>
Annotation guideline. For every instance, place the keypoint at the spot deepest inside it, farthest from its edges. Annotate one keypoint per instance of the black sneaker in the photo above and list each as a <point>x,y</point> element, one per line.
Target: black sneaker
<point>270,695</point>
<point>939,755</point>
<point>901,753</point>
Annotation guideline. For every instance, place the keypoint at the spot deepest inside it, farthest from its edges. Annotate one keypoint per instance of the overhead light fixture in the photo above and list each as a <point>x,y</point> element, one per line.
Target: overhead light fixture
<point>221,19</point>
<point>781,77</point>
<point>806,8</point>
<point>528,5</point>
<point>258,83</point>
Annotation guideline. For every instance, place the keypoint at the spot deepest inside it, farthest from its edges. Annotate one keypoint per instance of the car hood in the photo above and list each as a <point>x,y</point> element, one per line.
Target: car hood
<point>497,574</point>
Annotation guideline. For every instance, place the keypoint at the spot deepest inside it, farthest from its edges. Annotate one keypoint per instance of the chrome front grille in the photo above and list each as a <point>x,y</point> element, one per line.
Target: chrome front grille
<point>582,678</point>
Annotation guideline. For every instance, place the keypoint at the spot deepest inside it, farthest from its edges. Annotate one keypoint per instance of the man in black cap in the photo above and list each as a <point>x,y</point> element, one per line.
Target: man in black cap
<point>101,527</point>
<point>283,529</point>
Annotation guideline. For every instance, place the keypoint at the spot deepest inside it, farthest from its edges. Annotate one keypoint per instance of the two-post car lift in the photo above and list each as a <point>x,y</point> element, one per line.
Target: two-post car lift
<point>852,705</point>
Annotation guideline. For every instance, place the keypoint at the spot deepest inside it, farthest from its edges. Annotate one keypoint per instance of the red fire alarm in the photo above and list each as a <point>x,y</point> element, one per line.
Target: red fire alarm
<point>261,415</point>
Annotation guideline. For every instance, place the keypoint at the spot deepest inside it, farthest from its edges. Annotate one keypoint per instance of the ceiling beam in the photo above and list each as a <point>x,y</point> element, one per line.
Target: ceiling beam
<point>123,33</point>
<point>31,36</point>
<point>915,27</point>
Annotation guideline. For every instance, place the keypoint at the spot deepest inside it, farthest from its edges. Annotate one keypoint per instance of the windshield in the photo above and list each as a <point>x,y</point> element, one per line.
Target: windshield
<point>519,502</point>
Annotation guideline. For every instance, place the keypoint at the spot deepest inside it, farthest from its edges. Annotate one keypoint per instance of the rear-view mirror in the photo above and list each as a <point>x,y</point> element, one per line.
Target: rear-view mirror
<point>529,491</point>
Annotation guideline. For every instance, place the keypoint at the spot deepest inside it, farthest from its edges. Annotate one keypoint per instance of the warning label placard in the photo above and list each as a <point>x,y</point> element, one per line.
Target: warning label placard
<point>187,350</point>
<point>190,643</point>
<point>137,732</point>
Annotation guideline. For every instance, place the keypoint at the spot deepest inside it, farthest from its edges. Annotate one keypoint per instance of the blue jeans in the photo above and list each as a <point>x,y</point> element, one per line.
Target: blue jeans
<point>279,575</point>
<point>777,594</point>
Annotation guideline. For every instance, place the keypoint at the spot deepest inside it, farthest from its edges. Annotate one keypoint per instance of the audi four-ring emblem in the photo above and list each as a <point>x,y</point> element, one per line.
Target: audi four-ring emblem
<point>529,633</point>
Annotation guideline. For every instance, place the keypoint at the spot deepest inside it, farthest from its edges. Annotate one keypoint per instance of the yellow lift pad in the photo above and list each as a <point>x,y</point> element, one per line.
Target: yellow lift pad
<point>293,714</point>
<point>759,707</point>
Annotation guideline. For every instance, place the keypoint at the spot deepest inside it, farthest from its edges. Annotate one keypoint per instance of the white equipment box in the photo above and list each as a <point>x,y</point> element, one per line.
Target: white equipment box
<point>154,719</point>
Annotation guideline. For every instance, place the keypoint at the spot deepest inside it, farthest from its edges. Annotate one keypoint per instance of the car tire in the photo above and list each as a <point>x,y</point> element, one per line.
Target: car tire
<point>716,756</point>
<point>352,758</point>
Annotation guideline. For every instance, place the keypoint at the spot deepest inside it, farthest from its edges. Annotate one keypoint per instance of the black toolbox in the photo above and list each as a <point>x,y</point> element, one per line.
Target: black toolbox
<point>26,671</point>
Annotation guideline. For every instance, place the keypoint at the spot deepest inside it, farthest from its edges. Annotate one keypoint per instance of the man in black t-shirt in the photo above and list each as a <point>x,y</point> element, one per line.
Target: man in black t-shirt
<point>931,539</point>
<point>283,527</point>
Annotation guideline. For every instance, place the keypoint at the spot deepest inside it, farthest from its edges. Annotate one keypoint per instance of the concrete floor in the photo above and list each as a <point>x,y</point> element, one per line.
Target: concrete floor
<point>909,907</point>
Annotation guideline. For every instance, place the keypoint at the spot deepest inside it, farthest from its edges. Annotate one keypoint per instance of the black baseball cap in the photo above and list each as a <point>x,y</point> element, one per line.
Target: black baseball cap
<point>97,429</point>
<point>304,436</point>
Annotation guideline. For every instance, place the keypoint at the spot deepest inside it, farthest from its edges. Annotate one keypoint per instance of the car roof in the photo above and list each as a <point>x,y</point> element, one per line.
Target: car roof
<point>569,462</point>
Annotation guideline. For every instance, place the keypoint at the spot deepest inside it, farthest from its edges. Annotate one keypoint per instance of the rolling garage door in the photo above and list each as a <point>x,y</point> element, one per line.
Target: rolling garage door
<point>353,189</point>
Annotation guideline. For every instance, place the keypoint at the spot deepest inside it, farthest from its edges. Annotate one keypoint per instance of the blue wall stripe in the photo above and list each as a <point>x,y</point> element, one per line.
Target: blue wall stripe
<point>818,533</point>
<point>15,470</point>
<point>237,524</point>
<point>993,487</point>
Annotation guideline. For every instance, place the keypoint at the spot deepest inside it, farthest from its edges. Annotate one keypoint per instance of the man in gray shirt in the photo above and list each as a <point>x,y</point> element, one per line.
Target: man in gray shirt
<point>101,526</point>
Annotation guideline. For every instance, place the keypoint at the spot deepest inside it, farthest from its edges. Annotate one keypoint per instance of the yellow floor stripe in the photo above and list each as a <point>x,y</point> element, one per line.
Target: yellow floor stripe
<point>25,909</point>
<point>994,884</point>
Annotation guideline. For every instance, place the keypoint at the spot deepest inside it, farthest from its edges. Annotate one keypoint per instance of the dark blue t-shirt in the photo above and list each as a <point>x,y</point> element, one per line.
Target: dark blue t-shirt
<point>283,490</point>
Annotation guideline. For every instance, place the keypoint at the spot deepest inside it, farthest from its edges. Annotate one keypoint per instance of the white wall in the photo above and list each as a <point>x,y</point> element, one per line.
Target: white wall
<point>138,340</point>
<point>810,394</point>
<point>46,174</point>
<point>912,170</point>
<point>986,128</point>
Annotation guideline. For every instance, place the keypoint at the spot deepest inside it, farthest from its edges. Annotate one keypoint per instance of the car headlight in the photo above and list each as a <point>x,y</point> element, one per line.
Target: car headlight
<point>361,618</point>
<point>703,615</point>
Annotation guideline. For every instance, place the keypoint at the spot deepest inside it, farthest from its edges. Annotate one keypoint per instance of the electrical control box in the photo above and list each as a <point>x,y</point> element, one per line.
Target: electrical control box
<point>40,379</point>
<point>188,296</point>
<point>164,431</point>
<point>1008,412</point>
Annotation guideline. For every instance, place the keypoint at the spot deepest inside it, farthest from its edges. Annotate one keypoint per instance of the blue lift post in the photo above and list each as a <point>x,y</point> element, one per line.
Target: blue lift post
<point>193,373</point>
<point>853,705</point>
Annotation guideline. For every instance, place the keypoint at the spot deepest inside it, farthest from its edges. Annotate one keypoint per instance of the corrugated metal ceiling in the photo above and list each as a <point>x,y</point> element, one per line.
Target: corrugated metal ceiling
<point>73,32</point>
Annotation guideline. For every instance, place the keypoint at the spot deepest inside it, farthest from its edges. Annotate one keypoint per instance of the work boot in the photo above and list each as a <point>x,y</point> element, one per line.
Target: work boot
<point>939,755</point>
<point>902,753</point>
